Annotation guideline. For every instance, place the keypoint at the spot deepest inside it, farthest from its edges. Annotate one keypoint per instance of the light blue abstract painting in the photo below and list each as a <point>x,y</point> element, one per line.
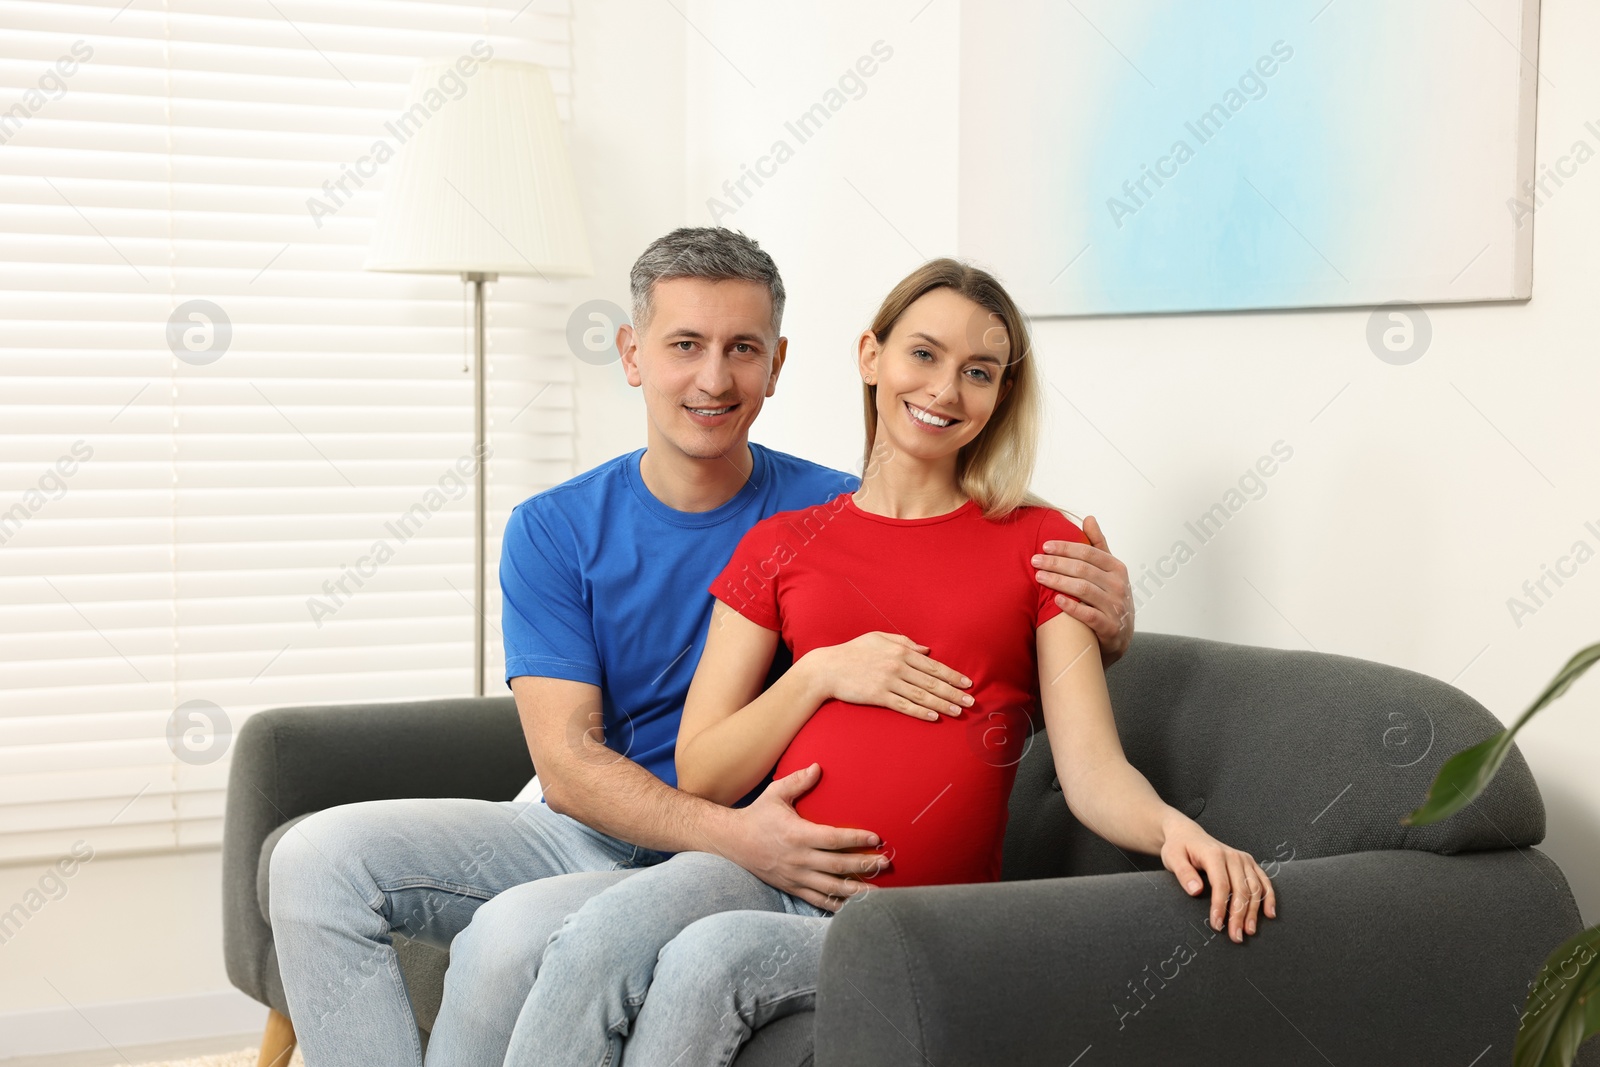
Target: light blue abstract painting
<point>1125,156</point>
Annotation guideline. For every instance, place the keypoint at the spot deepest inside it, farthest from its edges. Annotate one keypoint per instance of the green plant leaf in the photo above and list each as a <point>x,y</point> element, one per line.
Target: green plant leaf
<point>1466,774</point>
<point>1563,1009</point>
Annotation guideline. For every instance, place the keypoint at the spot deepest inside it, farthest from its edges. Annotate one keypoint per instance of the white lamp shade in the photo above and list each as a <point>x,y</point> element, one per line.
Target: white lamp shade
<point>481,181</point>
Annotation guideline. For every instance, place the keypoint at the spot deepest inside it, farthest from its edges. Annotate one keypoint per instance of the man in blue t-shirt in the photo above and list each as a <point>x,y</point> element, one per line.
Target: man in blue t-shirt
<point>605,613</point>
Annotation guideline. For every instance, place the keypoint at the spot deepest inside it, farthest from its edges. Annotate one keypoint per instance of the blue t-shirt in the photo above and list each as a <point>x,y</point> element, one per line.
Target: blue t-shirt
<point>603,583</point>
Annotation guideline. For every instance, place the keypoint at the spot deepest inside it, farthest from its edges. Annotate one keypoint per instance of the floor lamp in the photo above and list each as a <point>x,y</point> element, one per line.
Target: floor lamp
<point>480,187</point>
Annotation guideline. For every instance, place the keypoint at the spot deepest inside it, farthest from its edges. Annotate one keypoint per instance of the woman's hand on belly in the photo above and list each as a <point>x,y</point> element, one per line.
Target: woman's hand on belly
<point>889,671</point>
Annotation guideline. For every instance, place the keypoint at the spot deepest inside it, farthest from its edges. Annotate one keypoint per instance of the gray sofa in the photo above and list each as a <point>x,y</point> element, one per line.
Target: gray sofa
<point>1393,946</point>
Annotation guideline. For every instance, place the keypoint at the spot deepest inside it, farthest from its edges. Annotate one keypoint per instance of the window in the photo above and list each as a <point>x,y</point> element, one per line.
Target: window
<point>213,422</point>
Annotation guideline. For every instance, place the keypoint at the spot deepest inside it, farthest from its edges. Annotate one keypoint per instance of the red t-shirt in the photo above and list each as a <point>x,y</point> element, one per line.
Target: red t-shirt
<point>934,791</point>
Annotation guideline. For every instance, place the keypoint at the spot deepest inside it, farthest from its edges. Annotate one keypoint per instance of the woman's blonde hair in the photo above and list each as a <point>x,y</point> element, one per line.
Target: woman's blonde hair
<point>996,467</point>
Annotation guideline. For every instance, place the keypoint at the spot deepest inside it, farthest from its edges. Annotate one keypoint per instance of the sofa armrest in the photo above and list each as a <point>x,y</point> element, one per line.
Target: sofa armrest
<point>1255,742</point>
<point>1396,957</point>
<point>291,761</point>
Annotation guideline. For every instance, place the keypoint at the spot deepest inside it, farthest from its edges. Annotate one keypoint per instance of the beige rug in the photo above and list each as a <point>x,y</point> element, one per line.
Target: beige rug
<point>243,1058</point>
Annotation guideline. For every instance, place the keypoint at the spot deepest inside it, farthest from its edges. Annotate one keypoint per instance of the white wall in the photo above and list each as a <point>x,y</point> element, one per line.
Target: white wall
<point>124,928</point>
<point>1415,504</point>
<point>628,150</point>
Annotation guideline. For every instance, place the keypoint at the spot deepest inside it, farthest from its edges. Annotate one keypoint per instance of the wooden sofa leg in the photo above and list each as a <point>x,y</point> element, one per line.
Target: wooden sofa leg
<point>277,1043</point>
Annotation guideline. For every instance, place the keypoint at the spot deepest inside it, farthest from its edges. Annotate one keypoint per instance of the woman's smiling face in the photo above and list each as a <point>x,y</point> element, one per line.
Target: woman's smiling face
<point>938,374</point>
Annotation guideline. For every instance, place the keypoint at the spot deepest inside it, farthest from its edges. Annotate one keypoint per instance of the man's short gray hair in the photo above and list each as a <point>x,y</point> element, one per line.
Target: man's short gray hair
<point>710,252</point>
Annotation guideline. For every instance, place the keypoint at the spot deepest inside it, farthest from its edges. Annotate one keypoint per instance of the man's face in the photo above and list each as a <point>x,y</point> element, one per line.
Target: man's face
<point>706,360</point>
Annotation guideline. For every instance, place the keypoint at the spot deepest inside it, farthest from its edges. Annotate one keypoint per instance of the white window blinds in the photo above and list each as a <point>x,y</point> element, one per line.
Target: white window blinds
<point>210,416</point>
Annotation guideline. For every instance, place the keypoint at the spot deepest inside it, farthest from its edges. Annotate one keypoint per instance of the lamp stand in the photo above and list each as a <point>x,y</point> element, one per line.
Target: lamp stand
<point>480,527</point>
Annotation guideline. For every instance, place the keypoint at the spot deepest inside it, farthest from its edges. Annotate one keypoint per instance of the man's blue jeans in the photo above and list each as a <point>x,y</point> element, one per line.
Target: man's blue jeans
<point>678,964</point>
<point>344,880</point>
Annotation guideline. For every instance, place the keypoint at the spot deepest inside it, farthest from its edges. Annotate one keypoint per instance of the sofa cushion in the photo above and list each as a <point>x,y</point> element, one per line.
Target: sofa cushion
<point>423,967</point>
<point>785,1042</point>
<point>1287,754</point>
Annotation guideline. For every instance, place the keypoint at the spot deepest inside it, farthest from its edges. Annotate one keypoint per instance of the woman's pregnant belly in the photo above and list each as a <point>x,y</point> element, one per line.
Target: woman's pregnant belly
<point>934,791</point>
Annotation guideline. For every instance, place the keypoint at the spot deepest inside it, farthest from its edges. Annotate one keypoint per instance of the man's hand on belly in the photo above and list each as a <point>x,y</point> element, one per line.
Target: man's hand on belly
<point>771,841</point>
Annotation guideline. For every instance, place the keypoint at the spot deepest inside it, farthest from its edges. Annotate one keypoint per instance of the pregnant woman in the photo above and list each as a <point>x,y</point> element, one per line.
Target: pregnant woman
<point>681,962</point>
